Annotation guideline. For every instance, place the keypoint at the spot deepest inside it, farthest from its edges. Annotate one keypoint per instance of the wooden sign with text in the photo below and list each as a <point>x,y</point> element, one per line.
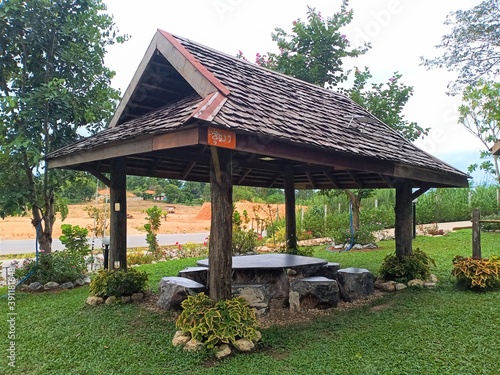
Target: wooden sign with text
<point>221,138</point>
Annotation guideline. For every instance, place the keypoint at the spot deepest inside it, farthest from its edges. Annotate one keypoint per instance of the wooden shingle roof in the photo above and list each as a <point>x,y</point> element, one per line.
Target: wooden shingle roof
<point>182,88</point>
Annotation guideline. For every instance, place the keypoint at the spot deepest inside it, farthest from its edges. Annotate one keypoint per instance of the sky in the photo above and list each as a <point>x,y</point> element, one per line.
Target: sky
<point>400,32</point>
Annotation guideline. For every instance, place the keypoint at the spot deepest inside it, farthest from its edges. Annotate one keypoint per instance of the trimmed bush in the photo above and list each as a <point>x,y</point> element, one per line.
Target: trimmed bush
<point>414,266</point>
<point>118,283</point>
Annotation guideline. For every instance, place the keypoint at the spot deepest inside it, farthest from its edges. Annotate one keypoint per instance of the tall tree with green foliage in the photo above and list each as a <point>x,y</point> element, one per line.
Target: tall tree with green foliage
<point>53,87</point>
<point>314,52</point>
<point>480,115</point>
<point>472,48</point>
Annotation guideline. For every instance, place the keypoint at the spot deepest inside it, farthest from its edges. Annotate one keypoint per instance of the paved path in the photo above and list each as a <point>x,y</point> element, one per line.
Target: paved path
<point>29,246</point>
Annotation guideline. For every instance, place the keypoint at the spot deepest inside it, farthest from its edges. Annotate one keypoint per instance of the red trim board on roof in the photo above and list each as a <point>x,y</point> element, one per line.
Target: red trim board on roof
<point>195,63</point>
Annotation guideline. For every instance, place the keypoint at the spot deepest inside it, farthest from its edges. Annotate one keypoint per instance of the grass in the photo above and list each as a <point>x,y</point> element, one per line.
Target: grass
<point>441,331</point>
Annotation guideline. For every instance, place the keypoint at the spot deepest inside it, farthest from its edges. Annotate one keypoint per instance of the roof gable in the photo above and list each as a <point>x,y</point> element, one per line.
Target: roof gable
<point>168,73</point>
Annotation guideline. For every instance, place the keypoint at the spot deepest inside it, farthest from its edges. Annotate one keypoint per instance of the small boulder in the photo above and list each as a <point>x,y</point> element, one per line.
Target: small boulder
<point>259,336</point>
<point>193,345</point>
<point>136,297</point>
<point>79,282</point>
<point>416,283</point>
<point>370,246</point>
<point>35,286</point>
<point>111,300</point>
<point>244,345</point>
<point>126,299</point>
<point>67,285</point>
<point>357,247</point>
<point>378,283</point>
<point>51,285</point>
<point>429,285</point>
<point>291,272</point>
<point>86,280</point>
<point>180,339</point>
<point>94,301</point>
<point>389,286</point>
<point>432,278</point>
<point>223,351</point>
<point>400,286</point>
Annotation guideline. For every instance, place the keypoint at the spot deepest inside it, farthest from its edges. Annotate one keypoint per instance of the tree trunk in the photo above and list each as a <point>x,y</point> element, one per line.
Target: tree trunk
<point>221,230</point>
<point>404,216</point>
<point>291,225</point>
<point>355,201</point>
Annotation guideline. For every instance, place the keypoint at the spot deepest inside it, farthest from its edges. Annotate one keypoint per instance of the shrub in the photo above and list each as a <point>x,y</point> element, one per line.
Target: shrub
<point>60,267</point>
<point>212,323</point>
<point>152,227</point>
<point>140,258</point>
<point>118,283</point>
<point>477,273</point>
<point>414,266</point>
<point>74,238</point>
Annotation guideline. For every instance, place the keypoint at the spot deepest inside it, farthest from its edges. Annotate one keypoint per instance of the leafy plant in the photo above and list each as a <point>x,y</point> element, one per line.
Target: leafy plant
<point>100,224</point>
<point>118,283</point>
<point>212,323</point>
<point>244,240</point>
<point>152,227</point>
<point>477,273</point>
<point>74,238</point>
<point>414,266</point>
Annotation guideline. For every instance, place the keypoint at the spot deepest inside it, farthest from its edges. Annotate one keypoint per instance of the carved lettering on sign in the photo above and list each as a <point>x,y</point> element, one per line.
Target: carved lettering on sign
<point>221,138</point>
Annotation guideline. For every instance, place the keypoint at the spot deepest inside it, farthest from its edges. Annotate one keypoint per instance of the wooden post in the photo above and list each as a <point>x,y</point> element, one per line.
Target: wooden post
<point>476,234</point>
<point>118,214</point>
<point>291,225</point>
<point>221,230</point>
<point>404,219</point>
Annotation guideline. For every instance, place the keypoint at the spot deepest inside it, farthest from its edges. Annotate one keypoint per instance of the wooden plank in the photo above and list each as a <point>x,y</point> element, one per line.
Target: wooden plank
<point>403,219</point>
<point>419,192</point>
<point>427,175</point>
<point>476,234</point>
<point>216,164</point>
<point>136,146</point>
<point>220,245</point>
<point>106,181</point>
<point>187,137</point>
<point>290,220</point>
<point>118,212</point>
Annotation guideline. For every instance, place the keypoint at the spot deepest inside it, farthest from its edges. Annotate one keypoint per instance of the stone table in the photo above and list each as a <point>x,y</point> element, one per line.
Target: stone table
<point>271,269</point>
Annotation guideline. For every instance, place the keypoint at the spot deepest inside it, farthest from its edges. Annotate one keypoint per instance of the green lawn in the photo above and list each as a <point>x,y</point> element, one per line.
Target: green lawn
<point>442,331</point>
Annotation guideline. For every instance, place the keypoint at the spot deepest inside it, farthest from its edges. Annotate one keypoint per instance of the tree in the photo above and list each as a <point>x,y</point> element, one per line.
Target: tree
<point>473,46</point>
<point>314,50</point>
<point>53,87</point>
<point>480,114</point>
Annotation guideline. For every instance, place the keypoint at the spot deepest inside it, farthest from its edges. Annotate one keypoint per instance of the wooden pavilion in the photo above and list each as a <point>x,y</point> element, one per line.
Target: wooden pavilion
<point>193,113</point>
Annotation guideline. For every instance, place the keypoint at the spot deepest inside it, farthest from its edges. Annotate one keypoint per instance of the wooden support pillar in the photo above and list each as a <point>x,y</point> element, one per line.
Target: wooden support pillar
<point>221,229</point>
<point>118,215</point>
<point>290,221</point>
<point>404,219</point>
<point>476,234</point>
